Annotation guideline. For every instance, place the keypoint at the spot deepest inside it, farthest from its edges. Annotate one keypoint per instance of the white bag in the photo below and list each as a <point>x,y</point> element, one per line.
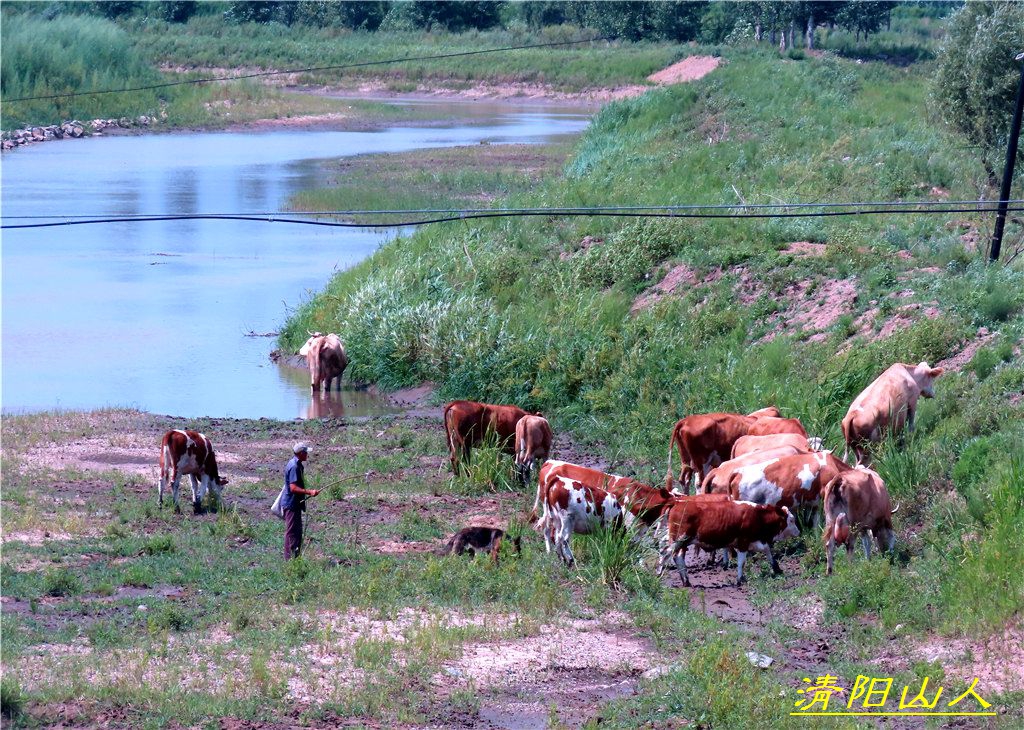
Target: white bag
<point>275,508</point>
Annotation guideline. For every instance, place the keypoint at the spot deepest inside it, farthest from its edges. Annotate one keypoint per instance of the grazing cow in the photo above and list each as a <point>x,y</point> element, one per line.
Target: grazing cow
<point>705,441</point>
<point>325,356</point>
<point>886,405</point>
<point>191,453</point>
<point>719,525</point>
<point>466,423</point>
<point>788,481</point>
<point>856,500</point>
<point>718,479</point>
<point>533,443</point>
<point>750,444</point>
<point>478,539</point>
<point>572,507</point>
<point>551,472</point>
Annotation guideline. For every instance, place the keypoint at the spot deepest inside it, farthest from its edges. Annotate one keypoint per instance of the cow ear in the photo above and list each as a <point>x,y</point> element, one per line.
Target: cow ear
<point>936,372</point>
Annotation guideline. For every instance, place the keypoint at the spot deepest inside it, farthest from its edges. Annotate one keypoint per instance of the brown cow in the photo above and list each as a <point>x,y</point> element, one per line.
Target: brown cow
<point>886,404</point>
<point>705,441</point>
<point>466,423</point>
<point>856,500</point>
<point>533,443</point>
<point>188,452</point>
<point>719,525</point>
<point>326,359</point>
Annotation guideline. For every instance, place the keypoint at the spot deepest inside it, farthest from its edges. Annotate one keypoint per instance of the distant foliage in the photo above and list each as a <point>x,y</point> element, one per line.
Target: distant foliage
<point>976,83</point>
<point>178,11</point>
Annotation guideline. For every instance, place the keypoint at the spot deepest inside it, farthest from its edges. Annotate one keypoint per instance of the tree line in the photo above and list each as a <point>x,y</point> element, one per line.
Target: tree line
<point>710,21</point>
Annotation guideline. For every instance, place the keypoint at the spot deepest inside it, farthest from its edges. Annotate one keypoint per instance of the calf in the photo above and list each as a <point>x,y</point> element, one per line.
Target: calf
<point>551,471</point>
<point>533,443</point>
<point>856,500</point>
<point>478,539</point>
<point>326,359</point>
<point>719,525</point>
<point>572,507</point>
<point>466,423</point>
<point>191,453</point>
<point>886,405</point>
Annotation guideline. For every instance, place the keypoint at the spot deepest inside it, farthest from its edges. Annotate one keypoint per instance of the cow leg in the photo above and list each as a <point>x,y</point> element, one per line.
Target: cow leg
<point>197,495</point>
<point>830,550</point>
<point>865,541</point>
<point>741,558</point>
<point>776,569</point>
<point>161,486</point>
<point>681,565</point>
<point>564,540</point>
<point>175,487</point>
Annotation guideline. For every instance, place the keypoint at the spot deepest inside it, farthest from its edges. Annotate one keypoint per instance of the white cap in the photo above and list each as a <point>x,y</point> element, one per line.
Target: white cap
<point>300,447</point>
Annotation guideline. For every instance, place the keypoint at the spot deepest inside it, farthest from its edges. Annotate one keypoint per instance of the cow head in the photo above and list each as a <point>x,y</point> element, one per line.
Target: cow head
<point>924,375</point>
<point>791,529</point>
<point>304,350</point>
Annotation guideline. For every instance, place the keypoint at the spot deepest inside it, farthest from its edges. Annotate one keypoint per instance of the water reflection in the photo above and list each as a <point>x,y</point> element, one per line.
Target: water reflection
<point>153,315</point>
<point>349,401</point>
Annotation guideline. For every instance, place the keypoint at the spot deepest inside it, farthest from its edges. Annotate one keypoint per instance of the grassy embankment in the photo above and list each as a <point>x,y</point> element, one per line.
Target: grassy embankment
<point>44,57</point>
<point>494,311</point>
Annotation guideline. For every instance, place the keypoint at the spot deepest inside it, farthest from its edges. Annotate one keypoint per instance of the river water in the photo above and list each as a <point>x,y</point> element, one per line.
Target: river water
<point>155,316</point>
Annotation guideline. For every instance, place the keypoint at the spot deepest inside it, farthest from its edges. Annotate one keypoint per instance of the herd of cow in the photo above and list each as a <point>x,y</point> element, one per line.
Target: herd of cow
<point>753,471</point>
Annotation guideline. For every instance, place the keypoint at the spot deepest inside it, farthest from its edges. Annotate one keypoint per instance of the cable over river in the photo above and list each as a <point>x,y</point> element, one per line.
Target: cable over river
<point>155,315</point>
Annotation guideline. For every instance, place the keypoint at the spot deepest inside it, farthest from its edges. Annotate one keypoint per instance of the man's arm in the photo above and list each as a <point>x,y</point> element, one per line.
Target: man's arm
<point>296,489</point>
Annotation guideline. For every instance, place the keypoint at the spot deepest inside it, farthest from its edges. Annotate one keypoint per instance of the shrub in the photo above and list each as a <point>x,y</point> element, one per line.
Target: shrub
<point>61,582</point>
<point>159,545</point>
<point>11,700</point>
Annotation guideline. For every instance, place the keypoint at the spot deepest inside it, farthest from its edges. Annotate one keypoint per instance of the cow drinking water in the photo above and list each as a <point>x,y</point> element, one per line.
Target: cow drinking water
<point>191,453</point>
<point>326,358</point>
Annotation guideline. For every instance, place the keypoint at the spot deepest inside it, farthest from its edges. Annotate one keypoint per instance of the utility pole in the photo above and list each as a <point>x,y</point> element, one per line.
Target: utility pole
<point>1011,159</point>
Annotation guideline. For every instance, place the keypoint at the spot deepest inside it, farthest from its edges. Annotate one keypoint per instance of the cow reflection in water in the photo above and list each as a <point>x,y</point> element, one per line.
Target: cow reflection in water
<point>326,404</point>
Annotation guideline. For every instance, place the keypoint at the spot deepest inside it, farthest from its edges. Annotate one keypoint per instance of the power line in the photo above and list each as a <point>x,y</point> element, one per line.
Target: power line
<point>981,206</point>
<point>606,213</point>
<point>362,64</point>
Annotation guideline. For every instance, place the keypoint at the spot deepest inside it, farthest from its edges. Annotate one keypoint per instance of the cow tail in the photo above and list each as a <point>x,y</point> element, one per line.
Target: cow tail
<point>833,503</point>
<point>448,428</point>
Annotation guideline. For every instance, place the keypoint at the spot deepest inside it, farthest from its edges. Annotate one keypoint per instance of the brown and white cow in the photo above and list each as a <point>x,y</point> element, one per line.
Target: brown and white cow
<point>750,444</point>
<point>191,453</point>
<point>856,500</point>
<point>719,478</point>
<point>789,481</point>
<point>886,405</point>
<point>326,359</point>
<point>533,443</point>
<point>467,422</point>
<point>721,525</point>
<point>705,441</point>
<point>572,507</point>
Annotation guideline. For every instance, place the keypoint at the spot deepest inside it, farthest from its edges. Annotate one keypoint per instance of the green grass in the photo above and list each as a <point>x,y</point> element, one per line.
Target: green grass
<point>522,313</point>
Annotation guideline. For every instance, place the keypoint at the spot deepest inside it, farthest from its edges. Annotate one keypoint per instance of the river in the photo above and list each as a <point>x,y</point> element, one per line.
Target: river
<point>155,315</point>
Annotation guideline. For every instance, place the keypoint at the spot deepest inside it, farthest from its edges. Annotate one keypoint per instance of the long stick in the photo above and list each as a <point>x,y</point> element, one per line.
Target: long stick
<point>1011,159</point>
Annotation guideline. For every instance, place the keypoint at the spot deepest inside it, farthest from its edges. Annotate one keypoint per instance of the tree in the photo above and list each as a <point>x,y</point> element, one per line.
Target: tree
<point>178,11</point>
<point>863,16</point>
<point>976,83</point>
